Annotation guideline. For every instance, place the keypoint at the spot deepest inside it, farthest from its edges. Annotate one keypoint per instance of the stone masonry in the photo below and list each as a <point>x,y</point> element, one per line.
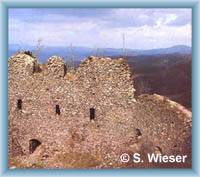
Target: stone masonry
<point>90,113</point>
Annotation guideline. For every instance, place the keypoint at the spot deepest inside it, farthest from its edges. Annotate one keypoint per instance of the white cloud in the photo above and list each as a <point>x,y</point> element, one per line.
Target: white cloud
<point>144,29</point>
<point>147,37</point>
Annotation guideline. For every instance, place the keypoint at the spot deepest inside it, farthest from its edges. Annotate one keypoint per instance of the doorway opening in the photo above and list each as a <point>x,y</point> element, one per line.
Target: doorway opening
<point>33,144</point>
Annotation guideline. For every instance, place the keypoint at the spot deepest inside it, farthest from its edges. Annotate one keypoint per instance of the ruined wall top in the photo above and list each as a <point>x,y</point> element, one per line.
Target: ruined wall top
<point>56,67</point>
<point>97,82</point>
<point>22,64</point>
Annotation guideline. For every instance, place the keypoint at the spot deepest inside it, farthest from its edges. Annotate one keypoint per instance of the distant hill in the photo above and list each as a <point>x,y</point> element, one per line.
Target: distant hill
<point>181,49</point>
<point>169,75</point>
<point>80,53</point>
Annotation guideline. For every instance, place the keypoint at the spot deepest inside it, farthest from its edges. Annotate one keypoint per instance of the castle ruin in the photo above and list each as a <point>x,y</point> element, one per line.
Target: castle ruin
<point>90,113</point>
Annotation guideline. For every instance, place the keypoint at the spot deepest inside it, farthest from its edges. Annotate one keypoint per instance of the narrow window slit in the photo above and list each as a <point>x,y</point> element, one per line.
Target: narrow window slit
<point>19,104</point>
<point>57,109</point>
<point>92,113</point>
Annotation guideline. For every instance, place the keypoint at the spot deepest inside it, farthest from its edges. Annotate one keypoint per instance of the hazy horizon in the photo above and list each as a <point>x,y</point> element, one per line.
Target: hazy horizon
<point>74,46</point>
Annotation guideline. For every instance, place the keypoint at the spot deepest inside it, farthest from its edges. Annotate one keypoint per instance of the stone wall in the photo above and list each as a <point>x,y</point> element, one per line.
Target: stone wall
<point>99,83</point>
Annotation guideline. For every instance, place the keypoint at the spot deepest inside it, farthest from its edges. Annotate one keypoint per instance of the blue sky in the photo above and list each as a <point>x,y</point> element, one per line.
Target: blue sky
<point>100,28</point>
